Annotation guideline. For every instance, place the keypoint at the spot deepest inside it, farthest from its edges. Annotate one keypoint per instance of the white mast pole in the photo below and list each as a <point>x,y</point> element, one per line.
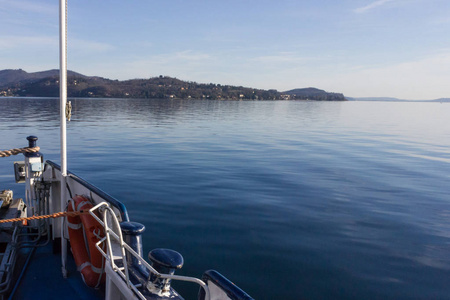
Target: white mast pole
<point>63,101</point>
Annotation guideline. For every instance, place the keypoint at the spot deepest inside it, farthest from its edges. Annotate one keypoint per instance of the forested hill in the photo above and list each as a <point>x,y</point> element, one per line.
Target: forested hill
<point>313,94</point>
<point>46,84</point>
<point>8,77</point>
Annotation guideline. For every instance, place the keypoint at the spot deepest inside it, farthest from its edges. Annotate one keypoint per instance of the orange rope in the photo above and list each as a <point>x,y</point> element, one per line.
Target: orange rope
<point>55,215</point>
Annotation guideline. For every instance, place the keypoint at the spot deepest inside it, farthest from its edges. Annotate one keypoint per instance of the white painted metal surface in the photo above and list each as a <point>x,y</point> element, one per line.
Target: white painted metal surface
<point>120,274</point>
<point>62,115</point>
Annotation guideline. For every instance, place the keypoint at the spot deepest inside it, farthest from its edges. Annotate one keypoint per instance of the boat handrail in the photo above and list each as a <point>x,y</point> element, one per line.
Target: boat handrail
<point>114,202</point>
<point>104,208</point>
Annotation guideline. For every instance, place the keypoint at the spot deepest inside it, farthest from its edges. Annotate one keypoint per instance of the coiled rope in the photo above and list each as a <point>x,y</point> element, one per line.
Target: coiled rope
<point>16,151</point>
<point>55,215</point>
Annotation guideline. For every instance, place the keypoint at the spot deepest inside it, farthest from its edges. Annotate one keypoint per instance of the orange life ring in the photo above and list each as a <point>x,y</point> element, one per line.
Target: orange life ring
<point>89,264</point>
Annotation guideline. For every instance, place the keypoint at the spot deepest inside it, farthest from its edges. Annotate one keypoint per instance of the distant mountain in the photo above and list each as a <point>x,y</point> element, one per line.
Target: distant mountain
<point>441,100</point>
<point>374,99</point>
<point>314,94</point>
<point>8,77</point>
<point>390,99</point>
<point>46,84</point>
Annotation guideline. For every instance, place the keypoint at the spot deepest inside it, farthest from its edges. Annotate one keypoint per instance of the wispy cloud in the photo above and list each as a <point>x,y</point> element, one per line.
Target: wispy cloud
<point>181,57</point>
<point>441,20</point>
<point>283,57</point>
<point>371,6</point>
<point>51,42</point>
<point>423,78</point>
<point>88,46</point>
<point>191,56</point>
<point>28,6</point>
<point>181,64</point>
<point>15,42</point>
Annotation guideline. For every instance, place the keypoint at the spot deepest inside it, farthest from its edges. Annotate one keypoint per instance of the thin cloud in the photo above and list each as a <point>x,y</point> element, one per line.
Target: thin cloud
<point>371,6</point>
<point>15,42</point>
<point>28,6</point>
<point>284,57</point>
<point>422,79</point>
<point>89,46</point>
<point>441,21</point>
<point>183,64</point>
<point>182,57</point>
<point>191,56</point>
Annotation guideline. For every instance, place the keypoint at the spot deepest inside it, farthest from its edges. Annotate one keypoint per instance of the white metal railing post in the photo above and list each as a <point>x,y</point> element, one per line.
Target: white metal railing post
<point>125,248</point>
<point>62,108</point>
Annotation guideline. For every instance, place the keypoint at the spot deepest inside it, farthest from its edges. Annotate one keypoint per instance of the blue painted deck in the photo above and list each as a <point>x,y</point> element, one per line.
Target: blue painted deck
<point>43,279</point>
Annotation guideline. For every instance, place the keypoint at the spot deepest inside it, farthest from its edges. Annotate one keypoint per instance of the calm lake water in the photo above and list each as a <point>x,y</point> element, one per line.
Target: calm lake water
<point>289,199</point>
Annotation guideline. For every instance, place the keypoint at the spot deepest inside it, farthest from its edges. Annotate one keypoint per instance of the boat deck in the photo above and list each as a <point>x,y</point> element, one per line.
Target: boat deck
<point>50,284</point>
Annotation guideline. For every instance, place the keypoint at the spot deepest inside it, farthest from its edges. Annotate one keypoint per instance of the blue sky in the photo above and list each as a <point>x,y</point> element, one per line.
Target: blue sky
<point>396,48</point>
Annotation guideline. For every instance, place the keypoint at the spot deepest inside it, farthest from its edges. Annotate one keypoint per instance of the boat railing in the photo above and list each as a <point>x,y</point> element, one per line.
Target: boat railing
<point>119,206</point>
<point>111,237</point>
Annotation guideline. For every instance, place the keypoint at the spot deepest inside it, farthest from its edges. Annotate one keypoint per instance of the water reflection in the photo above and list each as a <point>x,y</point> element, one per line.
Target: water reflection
<point>322,200</point>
